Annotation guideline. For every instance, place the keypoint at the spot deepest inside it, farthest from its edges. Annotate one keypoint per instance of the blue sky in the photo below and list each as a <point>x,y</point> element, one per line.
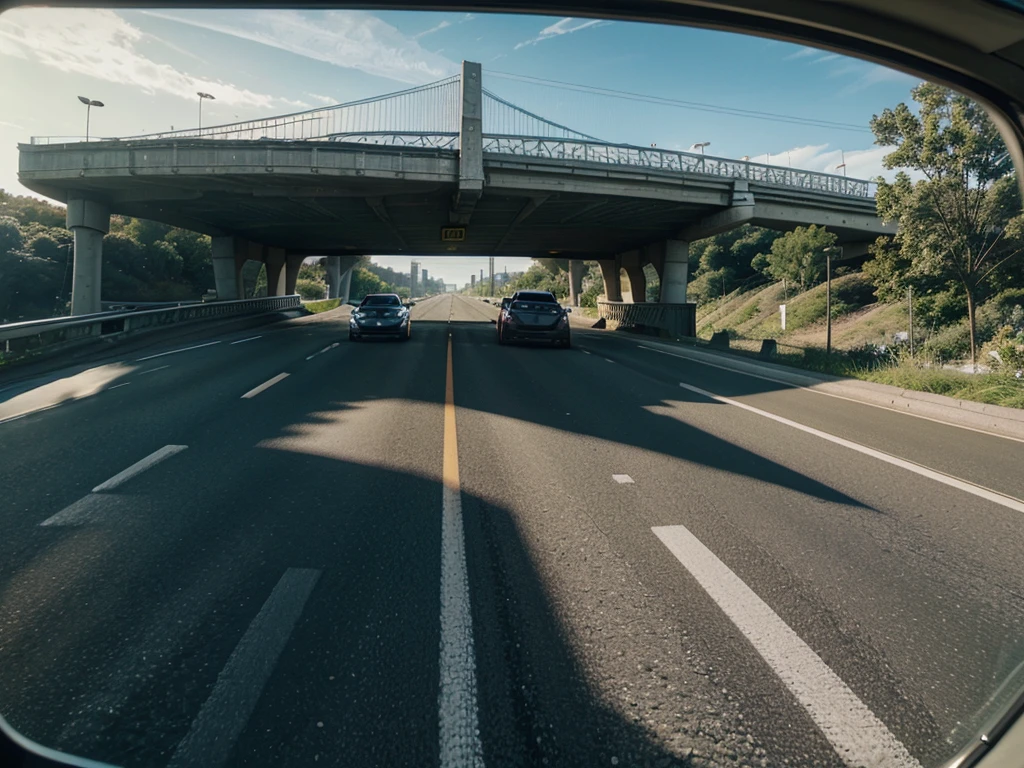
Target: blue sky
<point>147,66</point>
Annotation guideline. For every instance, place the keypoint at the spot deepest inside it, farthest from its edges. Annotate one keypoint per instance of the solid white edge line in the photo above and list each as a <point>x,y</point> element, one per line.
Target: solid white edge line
<point>251,338</point>
<point>37,410</point>
<point>814,391</point>
<point>954,482</point>
<point>140,466</point>
<point>265,385</point>
<point>226,712</point>
<point>154,370</point>
<point>857,735</point>
<point>122,384</point>
<point>176,351</point>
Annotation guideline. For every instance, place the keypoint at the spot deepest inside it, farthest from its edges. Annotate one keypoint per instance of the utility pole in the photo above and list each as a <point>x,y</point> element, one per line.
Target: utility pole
<point>910,310</point>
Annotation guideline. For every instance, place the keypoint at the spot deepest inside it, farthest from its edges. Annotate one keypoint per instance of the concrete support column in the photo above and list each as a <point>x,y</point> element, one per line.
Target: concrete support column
<point>637,283</point>
<point>89,220</point>
<point>275,261</point>
<point>229,256</point>
<point>339,276</point>
<point>346,284</point>
<point>612,283</point>
<point>576,271</point>
<point>333,276</point>
<point>674,273</point>
<point>291,273</point>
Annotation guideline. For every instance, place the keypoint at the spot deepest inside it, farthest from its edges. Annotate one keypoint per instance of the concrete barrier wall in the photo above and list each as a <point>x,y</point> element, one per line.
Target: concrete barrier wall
<point>674,320</point>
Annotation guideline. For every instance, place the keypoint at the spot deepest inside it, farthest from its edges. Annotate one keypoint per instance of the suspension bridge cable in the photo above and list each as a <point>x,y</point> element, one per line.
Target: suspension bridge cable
<point>679,103</point>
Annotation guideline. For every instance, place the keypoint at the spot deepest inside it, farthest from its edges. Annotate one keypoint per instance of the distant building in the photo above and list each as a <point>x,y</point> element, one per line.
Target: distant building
<point>472,282</point>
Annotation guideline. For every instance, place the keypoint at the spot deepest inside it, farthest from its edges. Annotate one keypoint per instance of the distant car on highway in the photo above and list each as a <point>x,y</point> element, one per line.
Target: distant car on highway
<point>533,316</point>
<point>381,315</point>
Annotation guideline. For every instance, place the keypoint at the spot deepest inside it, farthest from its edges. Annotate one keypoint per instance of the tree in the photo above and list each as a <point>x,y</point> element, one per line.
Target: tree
<point>364,282</point>
<point>798,256</point>
<point>960,224</point>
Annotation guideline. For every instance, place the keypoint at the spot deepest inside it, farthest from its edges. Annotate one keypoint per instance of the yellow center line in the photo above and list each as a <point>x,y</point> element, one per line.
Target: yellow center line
<point>450,467</point>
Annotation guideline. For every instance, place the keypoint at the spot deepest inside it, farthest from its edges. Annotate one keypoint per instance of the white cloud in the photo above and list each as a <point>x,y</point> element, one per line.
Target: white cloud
<point>325,100</point>
<point>564,26</point>
<point>801,53</point>
<point>436,28</point>
<point>860,163</point>
<point>351,39</point>
<point>102,45</point>
<point>5,124</point>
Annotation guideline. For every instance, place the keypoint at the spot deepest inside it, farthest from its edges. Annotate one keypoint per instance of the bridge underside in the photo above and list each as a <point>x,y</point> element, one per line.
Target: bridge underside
<point>358,206</point>
<point>279,201</point>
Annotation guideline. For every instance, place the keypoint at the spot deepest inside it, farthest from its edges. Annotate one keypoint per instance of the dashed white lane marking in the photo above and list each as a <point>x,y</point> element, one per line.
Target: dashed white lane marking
<point>954,482</point>
<point>328,348</point>
<point>814,391</point>
<point>138,467</point>
<point>586,351</point>
<point>225,713</point>
<point>858,737</point>
<point>251,338</point>
<point>625,479</point>
<point>456,702</point>
<point>154,370</point>
<point>117,386</point>
<point>608,360</point>
<point>176,351</point>
<point>97,508</point>
<point>265,385</point>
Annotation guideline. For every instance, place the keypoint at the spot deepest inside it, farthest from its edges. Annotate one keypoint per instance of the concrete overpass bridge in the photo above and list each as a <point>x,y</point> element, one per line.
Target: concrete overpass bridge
<point>444,169</point>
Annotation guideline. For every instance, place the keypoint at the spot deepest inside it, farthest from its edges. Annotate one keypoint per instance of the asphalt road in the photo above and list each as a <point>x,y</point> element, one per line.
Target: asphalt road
<point>276,547</point>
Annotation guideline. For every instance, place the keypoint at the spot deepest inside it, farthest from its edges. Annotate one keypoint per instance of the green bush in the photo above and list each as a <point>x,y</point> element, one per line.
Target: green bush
<point>309,289</point>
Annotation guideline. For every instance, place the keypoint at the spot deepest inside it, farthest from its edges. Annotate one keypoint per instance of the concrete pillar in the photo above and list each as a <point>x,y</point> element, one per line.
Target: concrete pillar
<point>229,256</point>
<point>89,220</point>
<point>333,276</point>
<point>674,272</point>
<point>346,284</point>
<point>471,143</point>
<point>291,273</point>
<point>612,283</point>
<point>339,276</point>
<point>576,271</point>
<point>637,283</point>
<point>275,261</point>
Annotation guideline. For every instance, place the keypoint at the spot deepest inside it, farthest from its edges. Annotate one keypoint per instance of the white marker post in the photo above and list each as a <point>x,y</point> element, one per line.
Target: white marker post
<point>782,312</point>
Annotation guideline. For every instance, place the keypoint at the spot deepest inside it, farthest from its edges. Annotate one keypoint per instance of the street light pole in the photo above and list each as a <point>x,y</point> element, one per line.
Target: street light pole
<point>89,104</point>
<point>202,96</point>
<point>910,309</point>
<point>828,296</point>
<point>700,145</point>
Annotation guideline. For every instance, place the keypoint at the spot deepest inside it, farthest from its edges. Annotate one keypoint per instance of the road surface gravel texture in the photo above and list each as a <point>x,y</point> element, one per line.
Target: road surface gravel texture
<point>273,546</point>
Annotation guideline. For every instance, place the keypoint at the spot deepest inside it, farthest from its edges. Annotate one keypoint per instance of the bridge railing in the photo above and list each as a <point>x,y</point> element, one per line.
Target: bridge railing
<point>34,334</point>
<point>671,160</point>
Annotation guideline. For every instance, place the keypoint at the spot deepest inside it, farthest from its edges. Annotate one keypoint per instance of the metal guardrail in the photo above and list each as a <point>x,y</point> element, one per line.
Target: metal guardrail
<point>671,160</point>
<point>38,333</point>
<point>676,320</point>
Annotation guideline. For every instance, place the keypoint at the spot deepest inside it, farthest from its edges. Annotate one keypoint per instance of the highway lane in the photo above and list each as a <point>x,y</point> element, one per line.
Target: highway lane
<point>272,592</point>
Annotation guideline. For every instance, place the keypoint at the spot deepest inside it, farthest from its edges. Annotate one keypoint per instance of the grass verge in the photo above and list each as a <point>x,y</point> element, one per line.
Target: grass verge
<point>989,388</point>
<point>322,306</point>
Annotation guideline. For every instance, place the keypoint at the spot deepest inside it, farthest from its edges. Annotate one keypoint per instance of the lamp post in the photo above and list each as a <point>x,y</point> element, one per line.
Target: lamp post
<point>700,145</point>
<point>842,164</point>
<point>202,96</point>
<point>828,294</point>
<point>89,104</point>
